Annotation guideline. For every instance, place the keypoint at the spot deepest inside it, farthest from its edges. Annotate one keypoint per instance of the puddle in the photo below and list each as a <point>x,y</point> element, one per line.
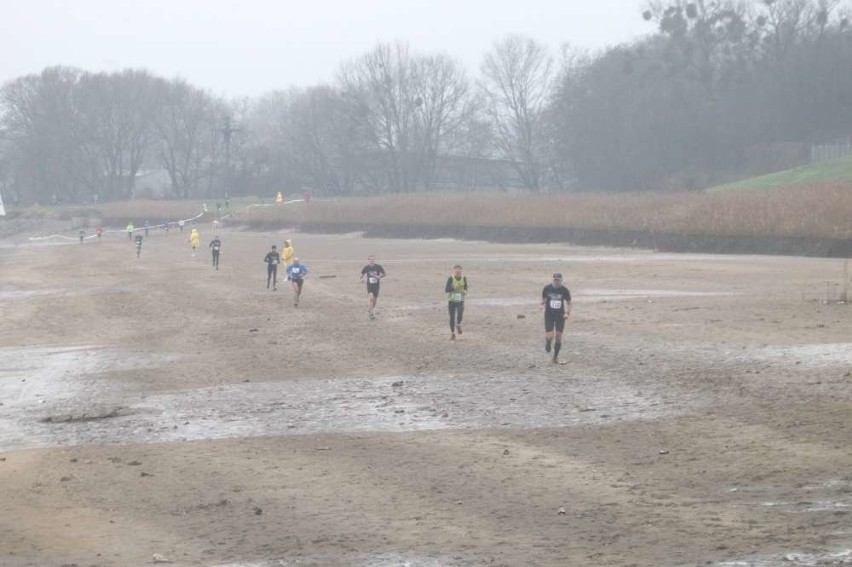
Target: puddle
<point>828,496</point>
<point>582,296</point>
<point>65,400</point>
<point>580,258</point>
<point>366,560</point>
<point>808,356</point>
<point>622,294</point>
<point>820,506</point>
<point>792,559</point>
<point>13,294</point>
<point>837,484</point>
<point>62,384</point>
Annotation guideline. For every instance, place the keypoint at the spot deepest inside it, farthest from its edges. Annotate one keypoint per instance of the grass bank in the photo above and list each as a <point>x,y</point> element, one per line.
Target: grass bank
<point>832,171</point>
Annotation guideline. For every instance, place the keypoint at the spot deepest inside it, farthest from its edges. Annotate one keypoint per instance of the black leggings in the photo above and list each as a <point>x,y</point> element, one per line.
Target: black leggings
<point>456,309</point>
<point>272,274</point>
<point>216,258</point>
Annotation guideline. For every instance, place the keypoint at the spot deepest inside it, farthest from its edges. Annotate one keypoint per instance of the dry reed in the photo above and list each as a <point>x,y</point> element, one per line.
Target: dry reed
<point>816,211</point>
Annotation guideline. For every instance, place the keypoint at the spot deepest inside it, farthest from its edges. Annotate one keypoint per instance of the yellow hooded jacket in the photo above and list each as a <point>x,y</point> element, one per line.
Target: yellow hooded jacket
<point>287,254</point>
<point>194,239</point>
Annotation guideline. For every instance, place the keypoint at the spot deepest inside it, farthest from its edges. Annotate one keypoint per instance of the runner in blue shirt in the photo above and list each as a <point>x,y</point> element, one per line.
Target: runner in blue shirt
<point>297,273</point>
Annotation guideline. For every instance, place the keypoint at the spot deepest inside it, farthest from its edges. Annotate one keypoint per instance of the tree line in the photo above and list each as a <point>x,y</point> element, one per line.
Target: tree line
<point>717,89</point>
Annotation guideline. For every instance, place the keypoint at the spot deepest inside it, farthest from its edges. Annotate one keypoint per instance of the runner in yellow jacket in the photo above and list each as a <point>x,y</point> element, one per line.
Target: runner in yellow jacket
<point>194,240</point>
<point>287,254</point>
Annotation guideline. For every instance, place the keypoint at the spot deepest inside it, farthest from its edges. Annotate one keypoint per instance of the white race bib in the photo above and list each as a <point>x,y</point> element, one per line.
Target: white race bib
<point>556,304</point>
<point>456,296</point>
<point>373,280</point>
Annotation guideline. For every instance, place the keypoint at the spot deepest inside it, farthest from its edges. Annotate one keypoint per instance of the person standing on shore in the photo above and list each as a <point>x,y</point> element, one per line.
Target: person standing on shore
<point>129,232</point>
<point>456,289</point>
<point>556,302</point>
<point>371,275</point>
<point>272,259</point>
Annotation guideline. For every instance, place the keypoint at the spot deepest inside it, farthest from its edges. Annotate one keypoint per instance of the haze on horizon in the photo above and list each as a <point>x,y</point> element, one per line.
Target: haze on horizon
<point>249,47</point>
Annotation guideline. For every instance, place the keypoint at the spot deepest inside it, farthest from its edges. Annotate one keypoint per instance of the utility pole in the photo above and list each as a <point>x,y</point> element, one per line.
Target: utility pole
<point>227,130</point>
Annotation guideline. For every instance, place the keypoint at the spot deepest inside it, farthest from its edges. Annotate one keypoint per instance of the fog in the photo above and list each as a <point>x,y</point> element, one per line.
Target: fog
<point>250,47</point>
<point>109,101</point>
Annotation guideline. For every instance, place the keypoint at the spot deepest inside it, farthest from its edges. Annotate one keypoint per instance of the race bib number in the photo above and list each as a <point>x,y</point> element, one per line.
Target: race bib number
<point>215,249</point>
<point>456,296</point>
<point>556,304</point>
<point>373,280</point>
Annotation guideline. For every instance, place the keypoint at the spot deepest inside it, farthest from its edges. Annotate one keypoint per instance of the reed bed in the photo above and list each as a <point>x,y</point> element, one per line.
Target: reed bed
<point>822,211</point>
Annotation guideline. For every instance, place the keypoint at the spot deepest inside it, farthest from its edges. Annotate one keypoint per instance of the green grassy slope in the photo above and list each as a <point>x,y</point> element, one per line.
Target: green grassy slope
<point>834,170</point>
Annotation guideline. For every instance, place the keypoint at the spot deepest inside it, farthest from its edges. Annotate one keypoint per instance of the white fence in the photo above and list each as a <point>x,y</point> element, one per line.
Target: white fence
<point>825,152</point>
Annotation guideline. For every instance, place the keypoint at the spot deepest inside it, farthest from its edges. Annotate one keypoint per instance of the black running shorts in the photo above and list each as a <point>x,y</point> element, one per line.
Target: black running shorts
<point>554,320</point>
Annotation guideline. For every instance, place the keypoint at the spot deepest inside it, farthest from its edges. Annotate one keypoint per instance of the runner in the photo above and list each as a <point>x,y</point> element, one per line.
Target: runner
<point>194,241</point>
<point>556,302</point>
<point>215,245</point>
<point>82,235</point>
<point>272,258</point>
<point>287,253</point>
<point>138,245</point>
<point>456,289</point>
<point>180,224</point>
<point>146,227</point>
<point>129,232</point>
<point>371,275</point>
<point>296,273</point>
<point>99,231</point>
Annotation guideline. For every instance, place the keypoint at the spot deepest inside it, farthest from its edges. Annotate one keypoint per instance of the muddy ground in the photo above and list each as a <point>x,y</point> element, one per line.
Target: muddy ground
<point>156,406</point>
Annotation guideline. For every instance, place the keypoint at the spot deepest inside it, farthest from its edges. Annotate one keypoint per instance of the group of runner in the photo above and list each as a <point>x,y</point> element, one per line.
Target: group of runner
<point>555,297</point>
<point>555,302</point>
<point>295,270</point>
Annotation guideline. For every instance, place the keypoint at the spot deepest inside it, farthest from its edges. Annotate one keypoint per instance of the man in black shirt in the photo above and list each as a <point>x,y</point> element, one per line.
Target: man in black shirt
<point>556,301</point>
<point>371,275</point>
<point>138,245</point>
<point>272,258</point>
<point>215,245</point>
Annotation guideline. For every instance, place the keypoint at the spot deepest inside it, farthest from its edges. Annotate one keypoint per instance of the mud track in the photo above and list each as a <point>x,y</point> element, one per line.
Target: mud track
<point>159,406</point>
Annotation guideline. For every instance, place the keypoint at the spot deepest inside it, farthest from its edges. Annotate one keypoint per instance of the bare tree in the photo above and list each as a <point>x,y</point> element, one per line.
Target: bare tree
<point>116,127</point>
<point>407,106</point>
<point>516,83</point>
<point>187,124</point>
<point>39,117</point>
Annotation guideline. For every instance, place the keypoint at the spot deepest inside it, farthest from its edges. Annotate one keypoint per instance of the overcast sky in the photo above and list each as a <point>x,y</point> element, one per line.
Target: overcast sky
<point>248,47</point>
